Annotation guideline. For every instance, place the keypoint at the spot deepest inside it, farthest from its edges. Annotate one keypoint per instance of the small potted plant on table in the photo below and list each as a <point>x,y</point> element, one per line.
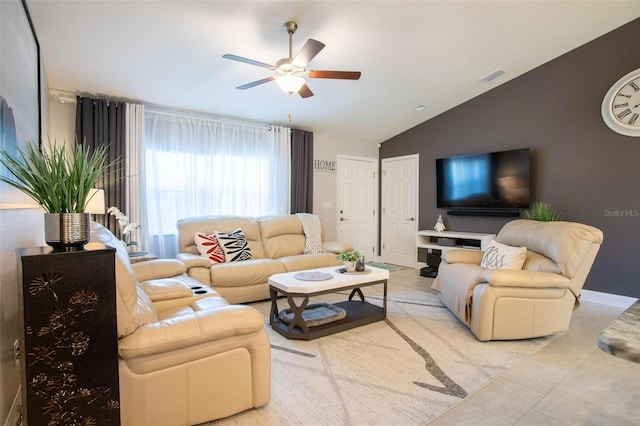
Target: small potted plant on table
<point>349,257</point>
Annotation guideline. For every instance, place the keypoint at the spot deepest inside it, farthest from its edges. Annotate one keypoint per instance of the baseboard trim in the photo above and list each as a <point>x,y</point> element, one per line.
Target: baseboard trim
<point>608,298</point>
<point>14,418</point>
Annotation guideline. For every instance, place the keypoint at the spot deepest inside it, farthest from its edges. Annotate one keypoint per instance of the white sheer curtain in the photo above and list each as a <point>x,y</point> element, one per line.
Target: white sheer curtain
<point>197,166</point>
<point>134,134</point>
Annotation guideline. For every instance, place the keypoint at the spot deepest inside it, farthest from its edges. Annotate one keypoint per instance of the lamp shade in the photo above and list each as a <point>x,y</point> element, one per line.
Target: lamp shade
<point>95,202</point>
<point>290,83</point>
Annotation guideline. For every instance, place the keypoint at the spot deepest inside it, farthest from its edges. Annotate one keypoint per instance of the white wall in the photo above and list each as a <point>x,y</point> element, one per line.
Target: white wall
<point>62,122</point>
<point>18,228</point>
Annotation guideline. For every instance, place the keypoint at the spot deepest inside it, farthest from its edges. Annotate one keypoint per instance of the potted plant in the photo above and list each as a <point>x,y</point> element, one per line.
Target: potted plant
<point>543,212</point>
<point>59,181</point>
<point>349,257</point>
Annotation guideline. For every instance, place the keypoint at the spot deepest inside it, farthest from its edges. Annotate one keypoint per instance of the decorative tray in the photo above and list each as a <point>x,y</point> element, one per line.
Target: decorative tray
<point>343,271</point>
<point>313,276</point>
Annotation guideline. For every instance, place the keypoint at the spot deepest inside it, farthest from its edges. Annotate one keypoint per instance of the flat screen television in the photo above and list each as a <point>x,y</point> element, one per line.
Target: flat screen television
<point>495,180</point>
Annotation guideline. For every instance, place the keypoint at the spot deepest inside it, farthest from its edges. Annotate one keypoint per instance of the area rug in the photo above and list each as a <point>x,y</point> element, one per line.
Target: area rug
<point>387,266</point>
<point>405,370</point>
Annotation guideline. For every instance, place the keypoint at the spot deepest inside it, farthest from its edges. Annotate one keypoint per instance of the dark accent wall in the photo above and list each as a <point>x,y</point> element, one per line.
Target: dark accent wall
<point>578,164</point>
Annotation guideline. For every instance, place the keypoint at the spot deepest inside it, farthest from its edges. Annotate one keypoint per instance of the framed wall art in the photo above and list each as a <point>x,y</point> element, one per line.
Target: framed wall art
<point>20,109</point>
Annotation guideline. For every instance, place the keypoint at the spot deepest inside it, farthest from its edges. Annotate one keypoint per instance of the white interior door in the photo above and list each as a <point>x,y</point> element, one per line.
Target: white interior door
<point>356,191</point>
<point>400,210</point>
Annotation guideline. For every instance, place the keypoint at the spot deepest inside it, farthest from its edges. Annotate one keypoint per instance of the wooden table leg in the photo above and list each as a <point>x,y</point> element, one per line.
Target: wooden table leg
<point>274,305</point>
<point>384,299</point>
<point>358,292</point>
<point>297,315</point>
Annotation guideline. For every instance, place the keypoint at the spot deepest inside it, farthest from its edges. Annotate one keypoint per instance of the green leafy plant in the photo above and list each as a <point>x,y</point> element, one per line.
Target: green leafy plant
<point>348,256</point>
<point>58,181</point>
<point>543,212</point>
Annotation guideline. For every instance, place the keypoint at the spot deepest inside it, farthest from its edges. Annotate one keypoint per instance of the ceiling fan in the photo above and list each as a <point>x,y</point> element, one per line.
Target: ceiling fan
<point>290,71</point>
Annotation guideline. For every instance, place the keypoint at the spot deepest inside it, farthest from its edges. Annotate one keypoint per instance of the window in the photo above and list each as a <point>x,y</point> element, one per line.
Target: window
<point>197,166</point>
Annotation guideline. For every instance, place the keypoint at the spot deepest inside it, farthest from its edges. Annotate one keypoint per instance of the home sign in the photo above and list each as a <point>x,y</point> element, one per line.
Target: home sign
<point>324,166</point>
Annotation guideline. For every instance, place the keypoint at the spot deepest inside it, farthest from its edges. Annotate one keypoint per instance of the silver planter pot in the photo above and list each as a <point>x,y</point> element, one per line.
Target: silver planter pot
<point>67,231</point>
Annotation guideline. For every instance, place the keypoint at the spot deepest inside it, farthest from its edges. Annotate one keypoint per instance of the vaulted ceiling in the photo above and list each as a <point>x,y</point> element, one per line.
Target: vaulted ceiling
<point>410,53</point>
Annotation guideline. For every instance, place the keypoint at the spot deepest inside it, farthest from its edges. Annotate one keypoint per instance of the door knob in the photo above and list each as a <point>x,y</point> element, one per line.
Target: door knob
<point>411,219</point>
<point>342,218</point>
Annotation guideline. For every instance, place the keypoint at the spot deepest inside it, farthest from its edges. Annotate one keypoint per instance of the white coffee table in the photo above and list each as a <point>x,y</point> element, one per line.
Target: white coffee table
<point>359,312</point>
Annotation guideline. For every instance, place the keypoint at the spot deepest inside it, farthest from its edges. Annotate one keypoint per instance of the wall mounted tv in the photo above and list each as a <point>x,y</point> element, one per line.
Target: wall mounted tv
<point>491,182</point>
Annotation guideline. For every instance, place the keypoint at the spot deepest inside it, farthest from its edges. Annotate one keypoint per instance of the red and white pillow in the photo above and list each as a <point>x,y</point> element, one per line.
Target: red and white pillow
<point>209,247</point>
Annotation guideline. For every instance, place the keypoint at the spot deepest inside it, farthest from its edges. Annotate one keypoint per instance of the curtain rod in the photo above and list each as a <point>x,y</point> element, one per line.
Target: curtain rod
<point>191,114</point>
<point>69,97</point>
<point>65,96</point>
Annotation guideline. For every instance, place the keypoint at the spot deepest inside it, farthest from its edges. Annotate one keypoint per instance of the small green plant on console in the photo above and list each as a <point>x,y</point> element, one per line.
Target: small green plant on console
<point>543,212</point>
<point>349,256</point>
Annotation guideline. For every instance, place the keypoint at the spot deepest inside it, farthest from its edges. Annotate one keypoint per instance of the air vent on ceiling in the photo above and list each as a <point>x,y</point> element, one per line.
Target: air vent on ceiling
<point>492,76</point>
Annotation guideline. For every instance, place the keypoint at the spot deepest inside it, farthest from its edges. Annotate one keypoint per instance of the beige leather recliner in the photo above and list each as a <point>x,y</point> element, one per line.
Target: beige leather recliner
<point>518,304</point>
<point>185,355</point>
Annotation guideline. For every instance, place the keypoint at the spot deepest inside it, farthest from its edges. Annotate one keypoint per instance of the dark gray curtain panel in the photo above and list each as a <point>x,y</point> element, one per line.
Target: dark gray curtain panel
<point>301,171</point>
<point>102,123</point>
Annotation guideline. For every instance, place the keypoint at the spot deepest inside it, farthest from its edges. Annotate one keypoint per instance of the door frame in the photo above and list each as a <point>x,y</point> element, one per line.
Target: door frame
<point>376,196</point>
<point>417,195</point>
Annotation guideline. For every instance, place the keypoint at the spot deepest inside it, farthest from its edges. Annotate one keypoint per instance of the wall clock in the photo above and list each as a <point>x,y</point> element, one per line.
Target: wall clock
<point>621,105</point>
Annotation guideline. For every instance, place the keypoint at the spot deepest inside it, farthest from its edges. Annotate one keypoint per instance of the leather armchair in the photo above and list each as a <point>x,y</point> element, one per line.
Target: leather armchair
<point>185,355</point>
<point>519,304</point>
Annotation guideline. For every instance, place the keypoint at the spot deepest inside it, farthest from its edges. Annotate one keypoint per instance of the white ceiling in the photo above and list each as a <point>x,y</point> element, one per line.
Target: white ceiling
<point>411,53</point>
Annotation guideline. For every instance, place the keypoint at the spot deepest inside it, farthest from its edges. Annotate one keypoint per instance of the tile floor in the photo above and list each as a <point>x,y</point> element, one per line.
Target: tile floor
<point>568,382</point>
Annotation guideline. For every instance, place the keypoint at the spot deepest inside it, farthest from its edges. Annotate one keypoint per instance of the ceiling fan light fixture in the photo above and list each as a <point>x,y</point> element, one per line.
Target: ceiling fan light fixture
<point>289,71</point>
<point>290,83</point>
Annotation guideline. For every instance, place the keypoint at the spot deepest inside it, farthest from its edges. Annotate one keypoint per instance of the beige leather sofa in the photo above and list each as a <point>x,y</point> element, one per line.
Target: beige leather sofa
<point>277,245</point>
<point>185,355</point>
<point>518,304</point>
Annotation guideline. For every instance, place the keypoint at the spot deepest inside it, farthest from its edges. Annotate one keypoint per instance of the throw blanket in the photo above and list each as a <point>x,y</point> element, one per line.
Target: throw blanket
<point>312,228</point>
<point>457,294</point>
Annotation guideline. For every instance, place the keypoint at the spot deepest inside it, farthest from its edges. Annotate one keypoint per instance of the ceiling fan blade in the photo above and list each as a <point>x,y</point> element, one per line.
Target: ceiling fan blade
<point>309,51</point>
<point>255,83</point>
<point>342,75</point>
<point>305,92</point>
<point>248,61</point>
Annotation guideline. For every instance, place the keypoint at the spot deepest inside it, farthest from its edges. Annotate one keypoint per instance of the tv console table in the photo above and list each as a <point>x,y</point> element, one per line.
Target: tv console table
<point>463,240</point>
<point>457,240</point>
